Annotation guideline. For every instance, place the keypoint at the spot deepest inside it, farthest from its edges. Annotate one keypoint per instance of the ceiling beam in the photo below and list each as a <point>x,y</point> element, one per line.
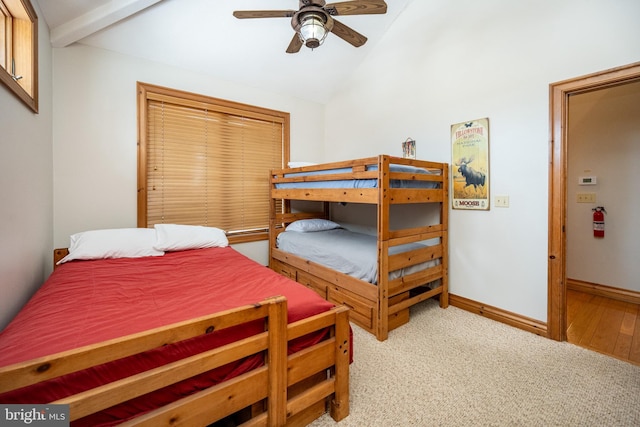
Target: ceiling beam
<point>95,20</point>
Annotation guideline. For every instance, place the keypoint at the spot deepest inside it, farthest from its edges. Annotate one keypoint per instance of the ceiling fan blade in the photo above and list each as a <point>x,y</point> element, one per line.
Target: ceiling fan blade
<point>244,14</point>
<point>357,7</point>
<point>295,45</point>
<point>348,34</point>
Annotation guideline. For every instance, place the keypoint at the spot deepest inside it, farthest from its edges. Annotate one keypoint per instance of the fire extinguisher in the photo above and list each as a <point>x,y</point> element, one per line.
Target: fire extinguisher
<point>598,221</point>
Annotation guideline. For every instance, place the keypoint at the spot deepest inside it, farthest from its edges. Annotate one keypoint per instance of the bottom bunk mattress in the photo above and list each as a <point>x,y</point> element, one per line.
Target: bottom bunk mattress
<point>87,302</point>
<point>348,252</point>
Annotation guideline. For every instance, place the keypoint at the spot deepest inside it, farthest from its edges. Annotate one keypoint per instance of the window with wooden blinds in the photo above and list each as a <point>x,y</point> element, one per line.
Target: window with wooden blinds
<point>206,161</point>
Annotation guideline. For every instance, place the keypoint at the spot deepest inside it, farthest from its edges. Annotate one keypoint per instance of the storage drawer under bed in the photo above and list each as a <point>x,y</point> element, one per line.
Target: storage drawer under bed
<point>362,310</point>
<point>284,269</point>
<point>312,282</point>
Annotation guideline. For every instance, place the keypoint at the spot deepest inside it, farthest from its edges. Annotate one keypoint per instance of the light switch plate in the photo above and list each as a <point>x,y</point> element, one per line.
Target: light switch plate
<point>586,197</point>
<point>501,202</point>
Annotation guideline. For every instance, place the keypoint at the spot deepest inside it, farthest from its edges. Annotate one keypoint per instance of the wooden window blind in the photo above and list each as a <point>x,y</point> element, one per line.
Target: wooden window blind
<point>206,161</point>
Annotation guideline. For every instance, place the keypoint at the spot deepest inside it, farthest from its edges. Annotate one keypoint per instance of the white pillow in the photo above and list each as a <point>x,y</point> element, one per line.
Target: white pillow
<point>305,225</point>
<point>177,237</point>
<point>300,164</point>
<point>112,243</point>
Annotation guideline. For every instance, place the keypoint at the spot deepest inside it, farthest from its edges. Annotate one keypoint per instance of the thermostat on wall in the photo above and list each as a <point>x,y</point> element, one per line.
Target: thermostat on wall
<point>587,180</point>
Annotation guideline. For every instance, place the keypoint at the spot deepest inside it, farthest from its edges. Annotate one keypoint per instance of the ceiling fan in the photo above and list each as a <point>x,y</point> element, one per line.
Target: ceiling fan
<point>314,20</point>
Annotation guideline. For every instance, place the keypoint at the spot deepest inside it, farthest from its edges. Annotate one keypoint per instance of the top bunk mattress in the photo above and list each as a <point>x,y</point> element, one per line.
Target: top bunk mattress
<point>360,183</point>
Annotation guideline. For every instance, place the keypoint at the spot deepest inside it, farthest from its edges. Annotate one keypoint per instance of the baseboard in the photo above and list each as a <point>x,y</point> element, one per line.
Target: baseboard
<point>521,322</point>
<point>604,291</point>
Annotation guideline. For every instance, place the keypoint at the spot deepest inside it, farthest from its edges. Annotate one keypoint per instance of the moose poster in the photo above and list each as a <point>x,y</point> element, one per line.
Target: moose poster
<point>470,169</point>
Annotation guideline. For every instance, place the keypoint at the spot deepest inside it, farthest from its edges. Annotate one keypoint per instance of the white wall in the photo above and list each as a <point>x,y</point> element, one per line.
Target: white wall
<point>95,156</point>
<point>26,199</point>
<point>604,141</point>
<point>444,63</point>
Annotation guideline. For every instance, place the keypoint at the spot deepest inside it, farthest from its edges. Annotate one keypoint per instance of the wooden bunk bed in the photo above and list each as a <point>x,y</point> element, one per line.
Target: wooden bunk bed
<point>258,365</point>
<point>387,181</point>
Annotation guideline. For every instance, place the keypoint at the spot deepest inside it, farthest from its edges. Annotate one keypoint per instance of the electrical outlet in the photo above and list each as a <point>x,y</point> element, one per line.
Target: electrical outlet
<point>501,202</point>
<point>586,197</point>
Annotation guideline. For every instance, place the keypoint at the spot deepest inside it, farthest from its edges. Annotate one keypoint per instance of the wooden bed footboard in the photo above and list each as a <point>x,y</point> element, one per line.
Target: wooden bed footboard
<point>287,390</point>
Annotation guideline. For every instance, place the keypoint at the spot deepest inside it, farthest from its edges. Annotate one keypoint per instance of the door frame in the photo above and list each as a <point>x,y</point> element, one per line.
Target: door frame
<point>559,94</point>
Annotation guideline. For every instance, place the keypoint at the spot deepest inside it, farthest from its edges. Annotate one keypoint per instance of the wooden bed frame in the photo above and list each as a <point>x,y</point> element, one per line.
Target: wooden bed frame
<point>377,309</point>
<point>290,390</point>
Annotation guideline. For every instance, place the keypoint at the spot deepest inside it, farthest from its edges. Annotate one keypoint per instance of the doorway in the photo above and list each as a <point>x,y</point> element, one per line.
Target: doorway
<point>559,103</point>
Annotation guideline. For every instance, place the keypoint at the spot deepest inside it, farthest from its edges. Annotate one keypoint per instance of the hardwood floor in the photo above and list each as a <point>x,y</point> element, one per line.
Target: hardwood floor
<point>604,325</point>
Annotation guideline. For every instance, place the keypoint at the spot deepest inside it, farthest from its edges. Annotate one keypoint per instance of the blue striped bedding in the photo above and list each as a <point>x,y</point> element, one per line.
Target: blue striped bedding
<point>361,183</point>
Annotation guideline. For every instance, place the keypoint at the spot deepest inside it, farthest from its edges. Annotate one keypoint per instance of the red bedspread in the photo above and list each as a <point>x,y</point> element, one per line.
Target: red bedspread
<point>86,302</point>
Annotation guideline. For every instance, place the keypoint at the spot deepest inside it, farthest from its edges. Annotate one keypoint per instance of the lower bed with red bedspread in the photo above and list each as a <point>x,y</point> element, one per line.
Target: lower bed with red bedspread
<point>87,302</point>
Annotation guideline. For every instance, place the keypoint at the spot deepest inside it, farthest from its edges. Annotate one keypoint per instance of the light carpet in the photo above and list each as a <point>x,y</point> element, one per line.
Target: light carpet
<point>449,367</point>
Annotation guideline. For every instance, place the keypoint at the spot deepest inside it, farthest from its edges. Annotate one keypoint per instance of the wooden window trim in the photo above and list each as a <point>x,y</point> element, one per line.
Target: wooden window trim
<point>20,51</point>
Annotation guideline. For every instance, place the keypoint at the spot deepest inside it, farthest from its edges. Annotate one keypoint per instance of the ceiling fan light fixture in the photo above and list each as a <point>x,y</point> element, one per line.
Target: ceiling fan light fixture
<point>313,20</point>
<point>313,30</point>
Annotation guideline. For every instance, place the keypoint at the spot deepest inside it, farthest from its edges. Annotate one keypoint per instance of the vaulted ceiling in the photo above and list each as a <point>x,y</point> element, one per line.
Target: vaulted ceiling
<point>203,36</point>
